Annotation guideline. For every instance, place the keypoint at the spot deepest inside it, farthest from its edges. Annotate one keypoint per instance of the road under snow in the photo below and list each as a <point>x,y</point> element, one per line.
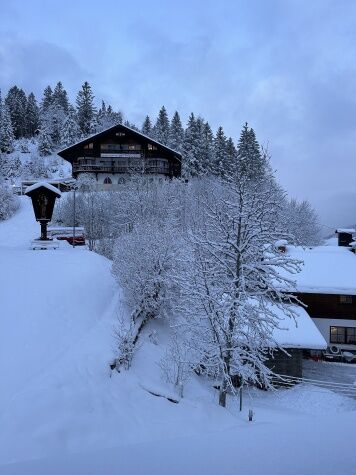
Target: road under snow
<point>62,413</point>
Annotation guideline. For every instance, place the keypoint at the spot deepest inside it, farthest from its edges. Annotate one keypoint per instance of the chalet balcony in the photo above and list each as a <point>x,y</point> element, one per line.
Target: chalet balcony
<point>157,167</point>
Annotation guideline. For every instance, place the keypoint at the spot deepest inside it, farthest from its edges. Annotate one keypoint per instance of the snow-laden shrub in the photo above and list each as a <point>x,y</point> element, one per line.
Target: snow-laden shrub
<point>9,203</point>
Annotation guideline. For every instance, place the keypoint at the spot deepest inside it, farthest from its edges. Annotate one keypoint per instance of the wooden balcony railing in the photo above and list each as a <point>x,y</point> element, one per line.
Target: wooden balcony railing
<point>97,168</point>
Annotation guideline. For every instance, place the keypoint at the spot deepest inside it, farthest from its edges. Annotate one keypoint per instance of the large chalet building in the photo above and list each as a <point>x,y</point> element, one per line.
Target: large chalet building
<point>111,156</point>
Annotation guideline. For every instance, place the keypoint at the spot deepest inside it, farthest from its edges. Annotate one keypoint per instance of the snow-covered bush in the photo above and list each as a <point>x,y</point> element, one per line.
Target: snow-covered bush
<point>9,203</point>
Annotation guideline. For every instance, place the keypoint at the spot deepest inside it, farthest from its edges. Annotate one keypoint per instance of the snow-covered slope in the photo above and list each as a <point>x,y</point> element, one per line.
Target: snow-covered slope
<point>60,403</point>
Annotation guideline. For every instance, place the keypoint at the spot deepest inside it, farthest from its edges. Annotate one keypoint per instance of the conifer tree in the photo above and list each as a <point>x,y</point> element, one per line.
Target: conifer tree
<point>231,156</point>
<point>251,161</point>
<point>45,144</point>
<point>190,146</point>
<point>46,101</point>
<point>70,132</point>
<point>147,126</point>
<point>85,109</point>
<point>176,133</point>
<point>161,128</point>
<point>60,97</point>
<point>6,131</point>
<point>219,152</point>
<point>32,115</point>
<point>16,102</point>
<point>207,148</point>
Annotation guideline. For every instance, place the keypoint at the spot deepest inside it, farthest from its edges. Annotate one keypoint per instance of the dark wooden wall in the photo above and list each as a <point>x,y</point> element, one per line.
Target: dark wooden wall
<point>328,306</point>
<point>289,365</point>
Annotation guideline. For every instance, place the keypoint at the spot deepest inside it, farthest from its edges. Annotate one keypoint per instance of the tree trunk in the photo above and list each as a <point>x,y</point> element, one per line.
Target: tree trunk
<point>223,393</point>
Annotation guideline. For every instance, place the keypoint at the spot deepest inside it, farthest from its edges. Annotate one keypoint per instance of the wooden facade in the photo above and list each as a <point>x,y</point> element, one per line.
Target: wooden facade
<point>330,305</point>
<point>121,150</point>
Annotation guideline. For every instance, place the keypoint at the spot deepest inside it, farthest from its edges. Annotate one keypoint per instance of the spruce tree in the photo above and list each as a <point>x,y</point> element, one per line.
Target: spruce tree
<point>45,144</point>
<point>6,130</point>
<point>46,101</point>
<point>16,102</point>
<point>147,126</point>
<point>85,109</point>
<point>32,116</point>
<point>231,156</point>
<point>207,148</point>
<point>176,133</point>
<point>60,97</point>
<point>251,161</point>
<point>219,152</point>
<point>190,146</point>
<point>161,128</point>
<point>70,132</point>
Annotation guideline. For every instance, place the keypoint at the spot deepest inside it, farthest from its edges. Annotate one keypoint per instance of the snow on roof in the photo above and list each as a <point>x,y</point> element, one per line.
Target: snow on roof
<point>326,270</point>
<point>346,230</point>
<point>45,185</point>
<point>300,332</point>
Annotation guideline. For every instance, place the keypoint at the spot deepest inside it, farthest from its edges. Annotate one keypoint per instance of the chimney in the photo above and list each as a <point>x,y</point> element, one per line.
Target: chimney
<point>345,236</point>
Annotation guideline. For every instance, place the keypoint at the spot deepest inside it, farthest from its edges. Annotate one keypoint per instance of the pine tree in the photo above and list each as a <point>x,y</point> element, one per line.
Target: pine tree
<point>32,116</point>
<point>251,161</point>
<point>70,132</point>
<point>176,133</point>
<point>60,97</point>
<point>107,118</point>
<point>16,102</point>
<point>161,128</point>
<point>147,126</point>
<point>191,136</point>
<point>85,109</point>
<point>45,144</point>
<point>207,148</point>
<point>6,130</point>
<point>46,101</point>
<point>231,156</point>
<point>219,152</point>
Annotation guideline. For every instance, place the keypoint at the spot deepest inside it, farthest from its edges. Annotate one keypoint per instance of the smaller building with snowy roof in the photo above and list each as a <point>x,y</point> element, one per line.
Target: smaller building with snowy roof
<point>327,286</point>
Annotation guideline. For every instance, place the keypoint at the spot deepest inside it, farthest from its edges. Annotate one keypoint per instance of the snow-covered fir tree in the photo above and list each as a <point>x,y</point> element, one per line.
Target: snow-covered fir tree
<point>252,162</point>
<point>45,145</point>
<point>147,126</point>
<point>70,132</point>
<point>7,137</point>
<point>190,148</point>
<point>16,102</point>
<point>46,101</point>
<point>106,117</point>
<point>176,133</point>
<point>218,166</point>
<point>85,109</point>
<point>161,127</point>
<point>32,115</point>
<point>59,97</point>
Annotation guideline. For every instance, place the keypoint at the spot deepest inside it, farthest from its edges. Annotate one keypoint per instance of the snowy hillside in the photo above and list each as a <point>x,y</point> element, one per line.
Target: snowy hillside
<point>58,403</point>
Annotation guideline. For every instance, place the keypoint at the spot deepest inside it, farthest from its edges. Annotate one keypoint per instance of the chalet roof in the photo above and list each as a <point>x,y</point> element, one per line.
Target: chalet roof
<point>105,132</point>
<point>43,184</point>
<point>326,270</point>
<point>300,332</point>
<point>346,230</point>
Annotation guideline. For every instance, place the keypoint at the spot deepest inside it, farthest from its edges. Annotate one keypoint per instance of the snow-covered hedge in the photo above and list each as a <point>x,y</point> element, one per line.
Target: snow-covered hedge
<point>9,203</point>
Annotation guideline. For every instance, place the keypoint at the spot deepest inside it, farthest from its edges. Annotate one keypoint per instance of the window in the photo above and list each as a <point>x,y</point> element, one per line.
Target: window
<point>345,299</point>
<point>346,335</point>
<point>337,334</point>
<point>89,146</point>
<point>120,134</point>
<point>351,336</point>
<point>151,147</point>
<point>107,181</point>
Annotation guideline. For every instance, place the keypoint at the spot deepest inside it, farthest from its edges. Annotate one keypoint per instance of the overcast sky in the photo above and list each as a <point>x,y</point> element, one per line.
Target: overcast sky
<point>288,67</point>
